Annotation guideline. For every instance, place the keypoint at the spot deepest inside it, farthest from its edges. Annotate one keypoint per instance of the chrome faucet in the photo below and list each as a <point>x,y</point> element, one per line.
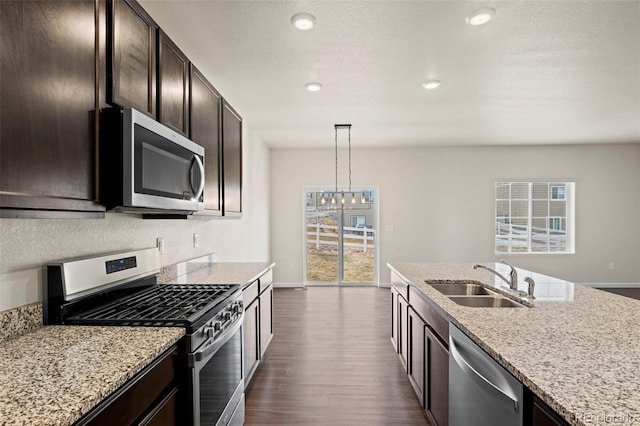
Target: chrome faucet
<point>513,274</point>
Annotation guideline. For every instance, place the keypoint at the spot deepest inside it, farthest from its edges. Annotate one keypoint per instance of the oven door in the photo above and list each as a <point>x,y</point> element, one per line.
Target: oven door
<point>217,383</point>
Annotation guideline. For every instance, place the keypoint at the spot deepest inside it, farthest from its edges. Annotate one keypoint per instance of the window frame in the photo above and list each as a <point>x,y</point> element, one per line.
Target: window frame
<point>515,233</point>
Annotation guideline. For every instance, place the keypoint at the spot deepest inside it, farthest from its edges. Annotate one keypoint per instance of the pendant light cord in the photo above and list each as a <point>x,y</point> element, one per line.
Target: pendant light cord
<point>348,127</point>
<point>349,158</point>
<point>336,159</point>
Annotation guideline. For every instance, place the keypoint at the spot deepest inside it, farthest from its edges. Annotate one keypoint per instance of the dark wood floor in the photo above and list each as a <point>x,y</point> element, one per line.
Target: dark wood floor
<point>633,293</point>
<point>331,363</point>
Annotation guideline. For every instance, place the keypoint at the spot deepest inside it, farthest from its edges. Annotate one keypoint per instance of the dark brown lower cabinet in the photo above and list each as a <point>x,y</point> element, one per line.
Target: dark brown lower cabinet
<point>436,395</point>
<point>420,334</point>
<point>403,333</point>
<point>428,369</point>
<point>537,413</point>
<point>266,318</point>
<point>416,359</point>
<point>149,398</point>
<point>394,318</point>
<point>251,339</point>
<point>258,322</point>
<point>165,413</point>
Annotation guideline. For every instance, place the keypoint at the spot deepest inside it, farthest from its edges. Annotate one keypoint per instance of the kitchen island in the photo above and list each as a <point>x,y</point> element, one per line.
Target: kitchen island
<point>576,349</point>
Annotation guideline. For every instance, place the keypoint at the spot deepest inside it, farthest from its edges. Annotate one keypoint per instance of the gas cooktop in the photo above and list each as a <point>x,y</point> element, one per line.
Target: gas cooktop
<point>122,289</point>
<point>159,305</point>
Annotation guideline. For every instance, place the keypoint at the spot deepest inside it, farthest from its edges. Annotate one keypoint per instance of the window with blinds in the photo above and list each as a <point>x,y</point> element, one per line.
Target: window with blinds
<point>535,217</point>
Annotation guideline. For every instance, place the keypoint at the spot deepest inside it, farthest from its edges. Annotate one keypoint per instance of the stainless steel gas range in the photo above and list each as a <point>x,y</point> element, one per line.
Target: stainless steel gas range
<point>121,290</point>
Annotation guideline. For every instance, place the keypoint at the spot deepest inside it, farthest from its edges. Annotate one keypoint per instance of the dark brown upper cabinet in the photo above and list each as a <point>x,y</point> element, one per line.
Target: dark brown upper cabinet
<point>173,85</point>
<point>205,106</point>
<point>231,161</point>
<point>131,57</point>
<point>48,83</point>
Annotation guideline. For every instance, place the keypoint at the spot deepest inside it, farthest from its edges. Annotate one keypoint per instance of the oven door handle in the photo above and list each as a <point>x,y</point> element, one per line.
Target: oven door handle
<point>212,346</point>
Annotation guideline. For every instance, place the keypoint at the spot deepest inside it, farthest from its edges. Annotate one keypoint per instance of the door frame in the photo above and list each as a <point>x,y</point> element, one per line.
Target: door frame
<point>317,188</point>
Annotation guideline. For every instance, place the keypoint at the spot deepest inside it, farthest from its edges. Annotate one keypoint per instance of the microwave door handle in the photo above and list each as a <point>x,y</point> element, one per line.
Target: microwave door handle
<point>198,161</point>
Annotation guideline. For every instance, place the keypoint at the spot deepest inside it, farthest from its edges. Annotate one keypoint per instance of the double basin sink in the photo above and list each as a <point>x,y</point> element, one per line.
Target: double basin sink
<point>474,295</point>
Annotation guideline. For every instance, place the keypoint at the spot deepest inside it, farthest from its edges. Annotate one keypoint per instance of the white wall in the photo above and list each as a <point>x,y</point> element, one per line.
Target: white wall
<point>26,245</point>
<point>247,239</point>
<point>440,202</point>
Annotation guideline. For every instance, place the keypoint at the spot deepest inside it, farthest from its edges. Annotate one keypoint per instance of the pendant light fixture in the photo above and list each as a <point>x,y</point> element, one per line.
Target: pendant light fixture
<point>349,199</point>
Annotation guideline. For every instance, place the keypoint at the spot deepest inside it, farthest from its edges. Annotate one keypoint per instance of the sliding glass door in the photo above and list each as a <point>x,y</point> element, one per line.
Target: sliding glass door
<point>340,237</point>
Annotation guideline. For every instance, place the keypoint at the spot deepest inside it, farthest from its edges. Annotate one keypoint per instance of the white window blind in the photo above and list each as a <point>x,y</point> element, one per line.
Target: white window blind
<point>535,217</point>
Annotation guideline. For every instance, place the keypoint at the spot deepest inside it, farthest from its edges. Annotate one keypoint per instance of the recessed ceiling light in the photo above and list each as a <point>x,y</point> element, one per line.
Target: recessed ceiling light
<point>481,16</point>
<point>303,21</point>
<point>431,84</point>
<point>313,87</point>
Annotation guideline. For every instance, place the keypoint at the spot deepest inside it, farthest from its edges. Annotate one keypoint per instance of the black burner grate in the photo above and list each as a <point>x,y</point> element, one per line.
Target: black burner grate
<point>167,304</point>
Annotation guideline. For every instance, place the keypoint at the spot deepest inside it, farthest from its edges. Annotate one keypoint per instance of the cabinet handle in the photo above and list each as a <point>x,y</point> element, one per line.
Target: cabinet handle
<point>468,369</point>
<point>198,161</point>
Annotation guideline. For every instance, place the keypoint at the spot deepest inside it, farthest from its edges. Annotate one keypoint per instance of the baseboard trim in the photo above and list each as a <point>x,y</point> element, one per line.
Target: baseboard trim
<point>612,285</point>
<point>287,285</point>
<point>297,285</point>
<point>388,285</point>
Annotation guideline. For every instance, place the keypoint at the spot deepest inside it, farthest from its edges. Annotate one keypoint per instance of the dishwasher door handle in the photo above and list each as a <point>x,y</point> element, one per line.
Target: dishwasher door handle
<point>468,369</point>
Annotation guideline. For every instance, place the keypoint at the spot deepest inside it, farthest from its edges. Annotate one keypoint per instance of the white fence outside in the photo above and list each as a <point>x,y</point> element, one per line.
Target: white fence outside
<point>537,240</point>
<point>319,234</point>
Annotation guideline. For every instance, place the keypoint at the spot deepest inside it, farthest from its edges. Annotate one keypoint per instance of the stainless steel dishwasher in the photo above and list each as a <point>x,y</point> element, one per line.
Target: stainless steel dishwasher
<point>481,392</point>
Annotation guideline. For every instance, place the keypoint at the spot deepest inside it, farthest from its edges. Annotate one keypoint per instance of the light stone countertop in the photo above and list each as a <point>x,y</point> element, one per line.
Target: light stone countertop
<point>240,273</point>
<point>56,374</point>
<point>578,348</point>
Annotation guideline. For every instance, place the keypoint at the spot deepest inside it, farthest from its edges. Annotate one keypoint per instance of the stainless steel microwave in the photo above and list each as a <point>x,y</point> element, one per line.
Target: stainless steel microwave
<point>147,167</point>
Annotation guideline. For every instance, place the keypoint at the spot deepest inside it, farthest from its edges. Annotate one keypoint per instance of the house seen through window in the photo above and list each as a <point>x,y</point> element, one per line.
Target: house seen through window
<point>535,217</point>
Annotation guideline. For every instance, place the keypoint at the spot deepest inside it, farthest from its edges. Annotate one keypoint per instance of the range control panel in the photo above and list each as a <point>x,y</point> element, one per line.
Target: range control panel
<point>123,264</point>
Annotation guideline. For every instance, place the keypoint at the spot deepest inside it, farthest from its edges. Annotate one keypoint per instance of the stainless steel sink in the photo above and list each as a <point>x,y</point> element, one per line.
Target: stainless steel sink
<point>462,289</point>
<point>485,302</point>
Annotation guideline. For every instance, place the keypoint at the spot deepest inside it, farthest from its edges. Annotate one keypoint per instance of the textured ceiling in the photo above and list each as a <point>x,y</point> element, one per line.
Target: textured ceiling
<point>541,72</point>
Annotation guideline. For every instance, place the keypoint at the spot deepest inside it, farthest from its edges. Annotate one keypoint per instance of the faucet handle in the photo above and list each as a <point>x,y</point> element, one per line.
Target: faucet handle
<point>513,274</point>
<point>532,286</point>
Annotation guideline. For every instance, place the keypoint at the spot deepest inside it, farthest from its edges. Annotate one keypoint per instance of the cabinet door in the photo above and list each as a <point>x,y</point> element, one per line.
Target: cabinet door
<point>166,413</point>
<point>251,340</point>
<point>131,66</point>
<point>542,415</point>
<point>154,391</point>
<point>266,319</point>
<point>394,318</point>
<point>48,109</point>
<point>205,116</point>
<point>173,86</point>
<point>403,332</point>
<point>437,379</point>
<point>416,360</point>
<point>231,161</point>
